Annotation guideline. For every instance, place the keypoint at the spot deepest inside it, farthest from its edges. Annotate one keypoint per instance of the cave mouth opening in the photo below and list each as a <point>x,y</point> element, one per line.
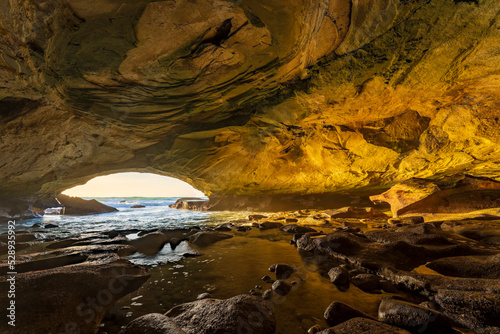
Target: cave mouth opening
<point>133,184</point>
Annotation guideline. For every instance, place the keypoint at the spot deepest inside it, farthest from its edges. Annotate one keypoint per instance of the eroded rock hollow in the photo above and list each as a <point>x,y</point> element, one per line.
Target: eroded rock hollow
<point>242,98</point>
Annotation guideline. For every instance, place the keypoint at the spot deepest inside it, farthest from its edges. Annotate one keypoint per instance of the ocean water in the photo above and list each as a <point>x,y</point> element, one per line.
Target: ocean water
<point>155,214</point>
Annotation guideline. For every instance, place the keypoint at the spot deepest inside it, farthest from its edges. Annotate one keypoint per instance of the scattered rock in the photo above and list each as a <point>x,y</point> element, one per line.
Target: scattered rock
<point>353,212</point>
<point>214,316</point>
<point>339,312</point>
<point>226,227</point>
<point>366,282</point>
<point>282,288</point>
<point>102,278</point>
<point>267,294</point>
<point>269,225</point>
<point>314,329</point>
<point>338,275</point>
<point>203,239</point>
<point>256,217</point>
<point>414,318</point>
<point>294,228</point>
<point>137,206</point>
<point>243,228</point>
<point>267,279</point>
<point>79,206</point>
<point>153,323</point>
<point>468,266</point>
<point>364,326</point>
<point>283,271</point>
<point>291,220</point>
<point>49,225</point>
<point>149,244</point>
<point>387,286</point>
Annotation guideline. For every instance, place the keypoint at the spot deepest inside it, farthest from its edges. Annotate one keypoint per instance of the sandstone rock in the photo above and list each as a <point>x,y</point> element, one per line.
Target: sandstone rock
<point>78,206</point>
<point>468,266</point>
<point>338,312</point>
<point>203,239</point>
<point>366,282</point>
<point>352,212</point>
<point>283,271</point>
<point>338,275</point>
<point>293,228</point>
<point>149,244</point>
<point>477,310</point>
<point>458,194</point>
<point>213,316</point>
<point>270,225</point>
<point>412,317</point>
<point>256,217</point>
<point>77,295</point>
<point>267,294</point>
<point>153,323</point>
<point>267,279</point>
<point>282,288</point>
<point>364,326</point>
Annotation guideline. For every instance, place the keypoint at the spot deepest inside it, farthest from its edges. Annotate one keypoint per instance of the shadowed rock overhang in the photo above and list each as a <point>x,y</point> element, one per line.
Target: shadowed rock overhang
<point>248,97</point>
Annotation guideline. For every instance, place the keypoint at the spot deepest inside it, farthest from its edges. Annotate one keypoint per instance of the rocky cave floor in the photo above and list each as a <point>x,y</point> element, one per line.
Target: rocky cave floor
<point>376,275</point>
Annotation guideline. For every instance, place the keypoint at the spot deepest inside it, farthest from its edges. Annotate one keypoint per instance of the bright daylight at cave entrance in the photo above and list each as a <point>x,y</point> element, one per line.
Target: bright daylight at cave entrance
<point>250,166</point>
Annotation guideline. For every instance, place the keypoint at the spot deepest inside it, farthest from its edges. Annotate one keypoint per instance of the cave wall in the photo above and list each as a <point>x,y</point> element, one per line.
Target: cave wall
<point>247,97</point>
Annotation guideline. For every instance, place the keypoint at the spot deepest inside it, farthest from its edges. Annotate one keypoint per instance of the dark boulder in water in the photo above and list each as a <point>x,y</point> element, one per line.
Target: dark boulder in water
<point>363,326</point>
<point>79,206</point>
<point>234,315</point>
<point>150,243</point>
<point>282,288</point>
<point>137,206</point>
<point>294,228</point>
<point>338,312</point>
<point>338,275</point>
<point>153,323</point>
<point>414,318</point>
<point>203,239</point>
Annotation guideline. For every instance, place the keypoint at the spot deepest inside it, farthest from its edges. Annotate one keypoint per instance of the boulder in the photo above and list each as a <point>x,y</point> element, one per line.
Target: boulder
<point>283,271</point>
<point>269,225</point>
<point>352,212</point>
<point>150,243</point>
<point>414,318</point>
<point>363,326</point>
<point>282,288</point>
<point>338,275</point>
<point>338,312</point>
<point>256,217</point>
<point>477,309</point>
<point>137,206</point>
<point>239,314</point>
<point>468,266</point>
<point>153,323</point>
<point>294,228</point>
<point>204,239</point>
<point>366,282</point>
<point>79,206</point>
<point>77,295</point>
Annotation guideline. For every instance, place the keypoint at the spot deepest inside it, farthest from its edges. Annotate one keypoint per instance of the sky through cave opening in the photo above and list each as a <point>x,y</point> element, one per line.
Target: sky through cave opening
<point>133,184</point>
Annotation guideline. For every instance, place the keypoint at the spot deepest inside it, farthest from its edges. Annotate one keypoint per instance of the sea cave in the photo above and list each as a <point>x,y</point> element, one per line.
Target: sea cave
<point>344,155</point>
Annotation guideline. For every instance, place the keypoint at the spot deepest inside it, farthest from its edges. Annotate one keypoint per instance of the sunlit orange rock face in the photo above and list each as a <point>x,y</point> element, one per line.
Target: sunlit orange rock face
<point>248,97</point>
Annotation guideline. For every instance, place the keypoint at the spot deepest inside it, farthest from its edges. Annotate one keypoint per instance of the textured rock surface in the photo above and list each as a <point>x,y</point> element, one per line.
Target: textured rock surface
<point>77,289</point>
<point>234,315</point>
<point>230,96</point>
